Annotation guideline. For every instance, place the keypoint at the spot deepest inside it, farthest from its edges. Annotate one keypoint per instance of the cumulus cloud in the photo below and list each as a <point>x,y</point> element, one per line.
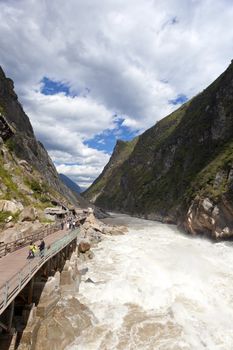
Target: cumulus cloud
<point>125,58</point>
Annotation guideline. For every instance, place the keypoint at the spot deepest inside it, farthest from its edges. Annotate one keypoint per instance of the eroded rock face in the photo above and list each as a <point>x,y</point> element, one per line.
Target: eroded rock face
<point>207,218</point>
<point>28,214</point>
<point>11,206</point>
<point>61,328</point>
<point>29,151</point>
<point>93,229</point>
<point>84,246</point>
<point>19,230</point>
<point>52,287</point>
<point>187,153</point>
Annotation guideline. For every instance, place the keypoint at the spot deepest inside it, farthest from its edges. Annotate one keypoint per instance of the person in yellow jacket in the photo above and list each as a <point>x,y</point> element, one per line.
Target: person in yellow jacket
<point>31,253</point>
<point>34,249</point>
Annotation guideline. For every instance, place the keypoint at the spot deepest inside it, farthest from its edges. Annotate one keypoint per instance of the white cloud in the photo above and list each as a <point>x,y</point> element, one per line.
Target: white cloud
<point>133,56</point>
<point>84,175</point>
<point>64,123</point>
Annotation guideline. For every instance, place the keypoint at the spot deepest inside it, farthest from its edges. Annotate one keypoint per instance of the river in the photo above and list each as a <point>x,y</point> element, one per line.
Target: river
<point>156,288</point>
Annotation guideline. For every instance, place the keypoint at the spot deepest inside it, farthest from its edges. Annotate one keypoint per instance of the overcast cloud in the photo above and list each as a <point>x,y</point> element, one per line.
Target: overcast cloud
<point>119,59</point>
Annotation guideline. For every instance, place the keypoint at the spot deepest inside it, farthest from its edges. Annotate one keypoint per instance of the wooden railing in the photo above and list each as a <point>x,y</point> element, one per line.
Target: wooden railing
<point>17,282</point>
<point>10,247</point>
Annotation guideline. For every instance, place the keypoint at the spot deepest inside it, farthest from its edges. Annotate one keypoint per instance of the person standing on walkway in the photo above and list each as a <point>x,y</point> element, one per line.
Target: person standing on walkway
<point>31,251</point>
<point>34,249</point>
<point>41,247</point>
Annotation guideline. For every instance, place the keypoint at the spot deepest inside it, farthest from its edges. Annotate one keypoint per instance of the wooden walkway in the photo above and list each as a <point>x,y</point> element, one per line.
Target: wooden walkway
<point>16,270</point>
<point>14,262</point>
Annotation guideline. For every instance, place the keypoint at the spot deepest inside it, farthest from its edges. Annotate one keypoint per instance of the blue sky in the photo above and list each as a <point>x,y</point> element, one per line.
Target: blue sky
<point>180,99</point>
<point>106,140</point>
<point>50,87</point>
<point>90,72</point>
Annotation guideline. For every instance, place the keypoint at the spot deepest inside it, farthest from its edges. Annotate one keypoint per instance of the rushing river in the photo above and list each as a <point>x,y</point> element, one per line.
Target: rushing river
<point>158,289</point>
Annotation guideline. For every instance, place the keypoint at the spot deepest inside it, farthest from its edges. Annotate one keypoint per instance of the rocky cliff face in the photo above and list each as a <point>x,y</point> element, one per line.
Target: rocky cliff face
<point>24,143</point>
<point>26,171</point>
<point>180,170</point>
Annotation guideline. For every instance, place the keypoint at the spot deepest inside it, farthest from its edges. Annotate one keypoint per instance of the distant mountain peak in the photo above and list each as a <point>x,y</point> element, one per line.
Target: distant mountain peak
<point>70,183</point>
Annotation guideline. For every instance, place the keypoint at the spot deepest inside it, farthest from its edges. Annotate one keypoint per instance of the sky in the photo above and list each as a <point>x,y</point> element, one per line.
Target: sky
<point>89,72</point>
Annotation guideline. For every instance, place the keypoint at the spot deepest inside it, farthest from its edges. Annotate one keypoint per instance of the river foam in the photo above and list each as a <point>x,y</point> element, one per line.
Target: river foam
<point>158,289</point>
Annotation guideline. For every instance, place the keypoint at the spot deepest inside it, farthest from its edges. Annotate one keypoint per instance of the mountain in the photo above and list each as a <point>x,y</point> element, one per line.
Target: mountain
<point>180,170</point>
<point>69,183</point>
<point>28,176</point>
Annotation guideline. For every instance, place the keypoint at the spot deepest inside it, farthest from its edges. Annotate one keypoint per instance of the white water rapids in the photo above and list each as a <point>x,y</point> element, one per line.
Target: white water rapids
<point>158,289</point>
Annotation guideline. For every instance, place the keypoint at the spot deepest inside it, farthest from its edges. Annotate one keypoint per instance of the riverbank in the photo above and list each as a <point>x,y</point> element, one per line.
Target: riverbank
<point>156,288</point>
<point>59,317</point>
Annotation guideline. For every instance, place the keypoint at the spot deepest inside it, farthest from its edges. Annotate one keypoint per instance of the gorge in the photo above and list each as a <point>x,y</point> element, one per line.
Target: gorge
<point>151,287</point>
<point>181,169</point>
<point>155,288</point>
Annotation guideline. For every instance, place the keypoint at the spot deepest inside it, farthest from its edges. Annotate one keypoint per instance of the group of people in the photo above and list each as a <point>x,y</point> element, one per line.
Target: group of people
<point>33,249</point>
<point>70,224</point>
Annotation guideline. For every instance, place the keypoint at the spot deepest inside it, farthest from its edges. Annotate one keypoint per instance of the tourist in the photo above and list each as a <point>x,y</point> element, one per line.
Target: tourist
<point>67,225</point>
<point>62,225</point>
<point>41,247</point>
<point>34,249</point>
<point>31,251</point>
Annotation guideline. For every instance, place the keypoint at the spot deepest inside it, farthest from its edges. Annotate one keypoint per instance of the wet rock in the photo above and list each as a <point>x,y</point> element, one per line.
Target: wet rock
<point>213,220</point>
<point>84,246</point>
<point>51,287</point>
<point>90,254</point>
<point>114,230</point>
<point>169,220</point>
<point>64,324</point>
<point>83,271</point>
<point>89,280</point>
<point>207,204</point>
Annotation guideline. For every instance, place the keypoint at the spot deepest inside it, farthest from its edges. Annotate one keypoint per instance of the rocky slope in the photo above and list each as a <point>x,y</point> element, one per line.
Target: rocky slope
<point>71,184</point>
<point>28,177</point>
<point>57,318</point>
<point>181,169</point>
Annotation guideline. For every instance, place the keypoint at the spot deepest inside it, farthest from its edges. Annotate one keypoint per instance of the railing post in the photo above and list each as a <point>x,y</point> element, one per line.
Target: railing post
<point>30,268</point>
<point>6,290</point>
<point>12,309</point>
<point>20,279</point>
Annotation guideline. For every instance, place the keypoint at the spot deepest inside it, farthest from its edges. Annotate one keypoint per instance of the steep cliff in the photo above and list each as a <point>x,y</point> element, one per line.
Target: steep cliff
<point>181,169</point>
<point>27,173</point>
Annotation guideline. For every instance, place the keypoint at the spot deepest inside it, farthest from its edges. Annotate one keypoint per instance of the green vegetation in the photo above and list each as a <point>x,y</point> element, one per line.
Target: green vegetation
<point>121,153</point>
<point>4,215</point>
<point>11,188</point>
<point>40,190</point>
<point>35,186</point>
<point>1,110</point>
<point>188,153</point>
<point>205,182</point>
<point>10,143</point>
<point>45,221</point>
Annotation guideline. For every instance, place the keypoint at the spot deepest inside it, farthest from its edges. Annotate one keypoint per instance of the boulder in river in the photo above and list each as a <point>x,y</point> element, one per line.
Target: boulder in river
<point>84,246</point>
